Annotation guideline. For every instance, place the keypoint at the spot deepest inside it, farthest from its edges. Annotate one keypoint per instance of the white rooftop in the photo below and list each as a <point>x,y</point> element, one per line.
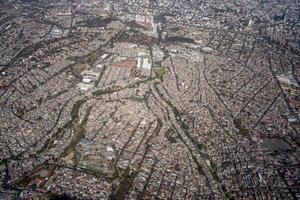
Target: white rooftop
<point>290,80</point>
<point>86,86</point>
<point>90,73</point>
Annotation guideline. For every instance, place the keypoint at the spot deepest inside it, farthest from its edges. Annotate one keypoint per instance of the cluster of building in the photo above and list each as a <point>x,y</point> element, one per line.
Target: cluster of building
<point>290,85</point>
<point>90,77</point>
<point>150,99</point>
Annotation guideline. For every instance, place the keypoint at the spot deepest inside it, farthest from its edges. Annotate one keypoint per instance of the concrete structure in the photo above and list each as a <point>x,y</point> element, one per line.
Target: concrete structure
<point>156,30</point>
<point>90,73</point>
<point>289,80</point>
<point>56,32</point>
<point>109,8</point>
<point>86,86</point>
<point>145,19</point>
<point>144,61</point>
<point>207,49</point>
<point>104,56</point>
<point>89,77</point>
<point>292,90</point>
<point>99,66</point>
<point>86,80</point>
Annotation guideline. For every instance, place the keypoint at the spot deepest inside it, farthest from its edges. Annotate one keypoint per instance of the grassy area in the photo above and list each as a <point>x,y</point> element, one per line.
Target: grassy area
<point>79,128</point>
<point>3,162</point>
<point>24,181</point>
<point>239,125</point>
<point>160,72</point>
<point>75,109</point>
<point>80,68</point>
<point>225,164</point>
<point>169,134</point>
<point>126,180</point>
<point>137,98</point>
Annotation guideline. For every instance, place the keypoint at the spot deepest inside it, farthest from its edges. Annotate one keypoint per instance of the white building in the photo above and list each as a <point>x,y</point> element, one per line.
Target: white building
<point>145,19</point>
<point>144,62</point>
<point>90,73</point>
<point>86,86</point>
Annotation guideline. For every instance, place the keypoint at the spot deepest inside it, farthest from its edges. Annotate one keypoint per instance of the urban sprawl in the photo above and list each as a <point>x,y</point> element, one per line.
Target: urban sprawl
<point>150,99</point>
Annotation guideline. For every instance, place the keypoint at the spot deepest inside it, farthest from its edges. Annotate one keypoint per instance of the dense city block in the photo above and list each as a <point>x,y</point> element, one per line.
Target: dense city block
<point>149,99</point>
